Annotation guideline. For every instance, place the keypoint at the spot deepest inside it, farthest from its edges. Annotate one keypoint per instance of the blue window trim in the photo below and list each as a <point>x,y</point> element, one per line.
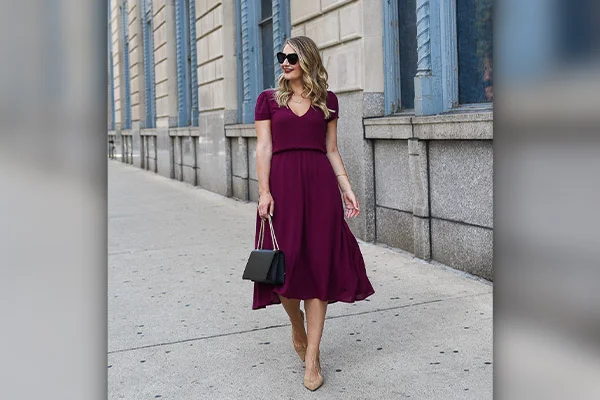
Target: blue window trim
<point>187,65</point>
<point>436,83</point>
<point>239,55</point>
<point>149,77</point>
<point>428,80</point>
<point>391,58</point>
<point>436,88</point>
<point>248,42</point>
<point>111,72</point>
<point>183,73</point>
<point>193,64</point>
<point>260,42</point>
<point>281,29</point>
<point>449,51</point>
<point>126,72</point>
<point>250,58</point>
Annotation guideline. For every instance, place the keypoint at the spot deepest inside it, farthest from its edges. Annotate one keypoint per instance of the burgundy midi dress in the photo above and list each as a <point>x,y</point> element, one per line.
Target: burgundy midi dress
<point>322,257</point>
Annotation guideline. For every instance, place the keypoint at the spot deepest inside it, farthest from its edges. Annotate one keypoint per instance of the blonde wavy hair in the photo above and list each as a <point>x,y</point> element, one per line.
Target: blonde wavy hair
<point>314,75</point>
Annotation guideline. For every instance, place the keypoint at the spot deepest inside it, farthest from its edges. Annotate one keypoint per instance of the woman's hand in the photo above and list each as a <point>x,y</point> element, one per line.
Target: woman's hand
<point>351,203</point>
<point>266,205</point>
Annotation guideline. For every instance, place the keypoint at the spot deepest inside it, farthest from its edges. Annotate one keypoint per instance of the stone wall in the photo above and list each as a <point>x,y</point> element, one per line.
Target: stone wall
<point>217,93</point>
<point>433,187</point>
<point>136,61</point>
<point>165,63</point>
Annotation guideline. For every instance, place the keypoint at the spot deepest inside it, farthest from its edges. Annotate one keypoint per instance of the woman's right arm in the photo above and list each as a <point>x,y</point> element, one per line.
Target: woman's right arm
<point>264,152</point>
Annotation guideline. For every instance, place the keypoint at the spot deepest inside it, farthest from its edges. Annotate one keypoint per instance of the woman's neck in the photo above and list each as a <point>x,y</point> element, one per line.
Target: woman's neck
<point>297,86</point>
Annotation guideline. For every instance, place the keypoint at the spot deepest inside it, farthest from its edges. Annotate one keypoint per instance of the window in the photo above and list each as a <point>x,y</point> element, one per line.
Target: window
<point>400,54</point>
<point>187,74</point>
<point>264,26</point>
<point>475,51</point>
<point>444,46</point>
<point>577,31</point>
<point>266,43</point>
<point>408,51</point>
<point>149,80</point>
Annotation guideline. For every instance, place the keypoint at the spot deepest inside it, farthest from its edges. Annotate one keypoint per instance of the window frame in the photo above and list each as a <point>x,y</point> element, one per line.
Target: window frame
<point>449,50</point>
<point>444,50</point>
<point>261,25</point>
<point>195,106</point>
<point>239,55</point>
<point>281,30</point>
<point>187,65</point>
<point>391,58</point>
<point>249,44</point>
<point>458,104</point>
<point>149,64</point>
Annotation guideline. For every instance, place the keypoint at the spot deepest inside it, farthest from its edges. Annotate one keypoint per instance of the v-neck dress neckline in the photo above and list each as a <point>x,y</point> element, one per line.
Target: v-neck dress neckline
<point>299,116</point>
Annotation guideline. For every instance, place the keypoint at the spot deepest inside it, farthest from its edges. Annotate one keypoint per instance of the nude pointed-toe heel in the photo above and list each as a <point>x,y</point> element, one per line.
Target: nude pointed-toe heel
<point>314,384</point>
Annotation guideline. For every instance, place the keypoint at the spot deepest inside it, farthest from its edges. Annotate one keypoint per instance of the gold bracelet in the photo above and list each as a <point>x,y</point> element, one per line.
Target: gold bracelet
<point>341,175</point>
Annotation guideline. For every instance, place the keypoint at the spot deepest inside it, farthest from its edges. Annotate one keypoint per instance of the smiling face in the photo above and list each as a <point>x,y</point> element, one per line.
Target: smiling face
<point>291,72</point>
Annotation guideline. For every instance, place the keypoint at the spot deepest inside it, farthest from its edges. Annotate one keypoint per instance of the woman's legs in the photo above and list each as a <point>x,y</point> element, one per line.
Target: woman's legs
<point>315,317</point>
<point>299,340</point>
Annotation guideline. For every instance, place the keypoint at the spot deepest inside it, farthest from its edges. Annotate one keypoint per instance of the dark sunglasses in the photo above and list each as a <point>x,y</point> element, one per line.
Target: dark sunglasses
<point>292,58</point>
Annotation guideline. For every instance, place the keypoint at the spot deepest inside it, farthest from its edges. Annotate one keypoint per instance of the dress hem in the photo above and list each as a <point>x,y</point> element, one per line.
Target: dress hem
<point>329,301</point>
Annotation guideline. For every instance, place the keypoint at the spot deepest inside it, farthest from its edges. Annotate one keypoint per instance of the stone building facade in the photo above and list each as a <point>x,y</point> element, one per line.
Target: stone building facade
<point>414,82</point>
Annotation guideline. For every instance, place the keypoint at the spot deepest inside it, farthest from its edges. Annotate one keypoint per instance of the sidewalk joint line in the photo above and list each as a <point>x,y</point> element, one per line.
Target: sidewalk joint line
<point>284,325</point>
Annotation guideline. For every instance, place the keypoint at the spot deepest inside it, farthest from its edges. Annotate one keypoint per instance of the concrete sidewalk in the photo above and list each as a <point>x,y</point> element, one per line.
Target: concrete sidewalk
<point>180,323</point>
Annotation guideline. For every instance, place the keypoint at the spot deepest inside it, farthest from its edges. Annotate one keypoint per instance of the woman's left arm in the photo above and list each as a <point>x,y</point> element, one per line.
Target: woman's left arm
<point>350,201</point>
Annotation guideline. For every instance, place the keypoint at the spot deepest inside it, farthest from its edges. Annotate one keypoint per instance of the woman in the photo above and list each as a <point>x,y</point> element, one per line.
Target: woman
<point>299,170</point>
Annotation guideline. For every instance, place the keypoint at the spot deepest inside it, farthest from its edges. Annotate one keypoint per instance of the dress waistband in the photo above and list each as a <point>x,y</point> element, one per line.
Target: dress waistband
<point>298,149</point>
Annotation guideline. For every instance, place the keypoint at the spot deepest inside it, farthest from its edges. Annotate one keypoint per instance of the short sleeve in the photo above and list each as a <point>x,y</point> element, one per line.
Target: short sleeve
<point>262,111</point>
<point>332,104</point>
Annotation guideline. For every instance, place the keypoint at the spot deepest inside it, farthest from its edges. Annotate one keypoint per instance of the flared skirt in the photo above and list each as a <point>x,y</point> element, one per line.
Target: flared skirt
<point>322,257</point>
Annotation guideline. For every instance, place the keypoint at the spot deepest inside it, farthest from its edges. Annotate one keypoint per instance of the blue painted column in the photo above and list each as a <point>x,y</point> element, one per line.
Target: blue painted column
<point>240,57</point>
<point>193,64</point>
<point>391,57</point>
<point>281,29</point>
<point>428,88</point>
<point>183,72</point>
<point>449,52</point>
<point>149,78</point>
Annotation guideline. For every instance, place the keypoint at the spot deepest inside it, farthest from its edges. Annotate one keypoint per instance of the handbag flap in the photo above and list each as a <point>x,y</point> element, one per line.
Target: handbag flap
<point>259,263</point>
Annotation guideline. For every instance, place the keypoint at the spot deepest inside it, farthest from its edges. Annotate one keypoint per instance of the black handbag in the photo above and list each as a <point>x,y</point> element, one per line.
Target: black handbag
<point>266,266</point>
